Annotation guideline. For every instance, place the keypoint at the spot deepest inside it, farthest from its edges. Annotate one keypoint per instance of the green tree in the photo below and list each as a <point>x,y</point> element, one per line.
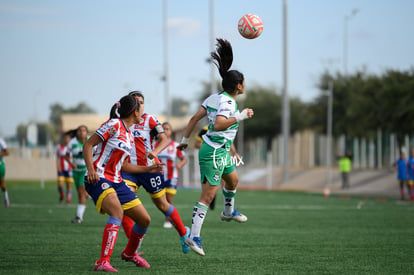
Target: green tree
<point>179,107</point>
<point>266,105</point>
<point>57,109</point>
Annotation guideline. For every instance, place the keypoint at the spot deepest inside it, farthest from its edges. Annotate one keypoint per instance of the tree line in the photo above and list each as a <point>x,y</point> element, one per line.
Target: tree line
<point>363,103</point>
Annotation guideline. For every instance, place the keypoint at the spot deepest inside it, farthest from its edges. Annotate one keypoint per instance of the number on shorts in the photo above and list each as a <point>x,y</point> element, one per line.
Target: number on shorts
<point>155,181</point>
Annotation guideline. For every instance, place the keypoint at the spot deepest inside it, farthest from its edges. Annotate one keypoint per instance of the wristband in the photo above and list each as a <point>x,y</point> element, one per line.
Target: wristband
<point>184,140</point>
<point>241,116</point>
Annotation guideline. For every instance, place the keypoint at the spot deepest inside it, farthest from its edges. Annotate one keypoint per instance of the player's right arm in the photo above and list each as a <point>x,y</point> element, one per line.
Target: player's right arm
<point>68,156</point>
<point>202,112</point>
<point>136,169</point>
<point>94,140</point>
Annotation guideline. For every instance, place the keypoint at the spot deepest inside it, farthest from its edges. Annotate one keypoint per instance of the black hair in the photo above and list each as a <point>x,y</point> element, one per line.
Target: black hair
<point>137,93</point>
<point>223,59</point>
<point>70,133</point>
<point>124,107</point>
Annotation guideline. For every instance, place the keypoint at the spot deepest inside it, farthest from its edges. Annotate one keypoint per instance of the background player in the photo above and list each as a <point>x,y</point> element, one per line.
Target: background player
<point>402,173</point>
<point>173,160</point>
<point>4,152</point>
<point>74,156</point>
<point>214,158</point>
<point>64,170</point>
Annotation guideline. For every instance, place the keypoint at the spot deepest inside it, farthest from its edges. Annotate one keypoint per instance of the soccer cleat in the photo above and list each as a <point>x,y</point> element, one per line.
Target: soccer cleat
<point>136,259</point>
<point>235,216</point>
<point>167,224</point>
<point>104,266</point>
<point>76,220</point>
<point>195,245</point>
<point>185,247</point>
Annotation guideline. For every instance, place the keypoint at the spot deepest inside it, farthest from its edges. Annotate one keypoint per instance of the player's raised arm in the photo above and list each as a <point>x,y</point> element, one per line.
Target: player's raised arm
<point>191,124</point>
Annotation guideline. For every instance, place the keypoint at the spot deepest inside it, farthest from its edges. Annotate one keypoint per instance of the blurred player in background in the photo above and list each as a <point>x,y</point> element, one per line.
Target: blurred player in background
<point>173,160</point>
<point>214,158</point>
<point>145,132</point>
<point>110,193</point>
<point>74,156</point>
<point>64,170</point>
<point>3,152</point>
<point>402,173</point>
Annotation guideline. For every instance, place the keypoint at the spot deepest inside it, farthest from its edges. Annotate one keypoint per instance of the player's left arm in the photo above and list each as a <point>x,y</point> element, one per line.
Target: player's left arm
<point>222,122</point>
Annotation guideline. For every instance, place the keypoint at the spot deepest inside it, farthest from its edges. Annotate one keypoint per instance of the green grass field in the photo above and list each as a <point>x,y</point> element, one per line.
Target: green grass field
<point>287,233</point>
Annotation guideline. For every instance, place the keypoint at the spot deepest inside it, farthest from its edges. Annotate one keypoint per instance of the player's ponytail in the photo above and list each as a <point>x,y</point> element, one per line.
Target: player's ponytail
<point>223,59</point>
<point>124,107</point>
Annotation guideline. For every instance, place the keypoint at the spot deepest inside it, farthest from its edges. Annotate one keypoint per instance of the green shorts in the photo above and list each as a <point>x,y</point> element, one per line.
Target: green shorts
<point>2,170</point>
<point>79,178</point>
<point>214,163</point>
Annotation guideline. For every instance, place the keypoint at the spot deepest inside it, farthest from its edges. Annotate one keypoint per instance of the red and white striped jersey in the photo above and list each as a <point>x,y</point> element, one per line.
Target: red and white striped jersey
<point>144,134</point>
<point>169,157</point>
<point>115,148</point>
<point>60,155</point>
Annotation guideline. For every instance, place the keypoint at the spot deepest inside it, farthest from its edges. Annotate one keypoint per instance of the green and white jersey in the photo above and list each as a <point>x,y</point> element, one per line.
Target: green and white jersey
<point>75,149</point>
<point>220,104</point>
<point>3,146</point>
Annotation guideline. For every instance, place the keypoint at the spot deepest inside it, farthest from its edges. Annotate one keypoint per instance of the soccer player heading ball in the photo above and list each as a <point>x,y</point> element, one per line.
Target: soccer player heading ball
<point>214,158</point>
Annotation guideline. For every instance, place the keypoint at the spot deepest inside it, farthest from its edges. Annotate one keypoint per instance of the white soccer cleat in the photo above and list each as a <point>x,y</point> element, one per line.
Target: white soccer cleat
<point>235,216</point>
<point>195,245</point>
<point>167,224</point>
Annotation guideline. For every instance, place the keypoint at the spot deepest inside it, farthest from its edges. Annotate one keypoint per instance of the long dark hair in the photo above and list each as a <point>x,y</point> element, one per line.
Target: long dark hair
<point>223,59</point>
<point>124,107</point>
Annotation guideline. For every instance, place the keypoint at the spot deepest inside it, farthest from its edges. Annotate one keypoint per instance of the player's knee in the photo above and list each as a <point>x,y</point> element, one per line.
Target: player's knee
<point>144,221</point>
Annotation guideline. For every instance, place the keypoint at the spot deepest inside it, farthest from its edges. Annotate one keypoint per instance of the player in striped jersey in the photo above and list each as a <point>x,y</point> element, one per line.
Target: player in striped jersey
<point>214,158</point>
<point>173,160</point>
<point>114,143</point>
<point>74,155</point>
<point>144,153</point>
<point>64,170</point>
<point>3,152</point>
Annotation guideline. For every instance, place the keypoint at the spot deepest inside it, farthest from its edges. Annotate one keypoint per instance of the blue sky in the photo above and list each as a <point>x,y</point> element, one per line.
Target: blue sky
<point>95,51</point>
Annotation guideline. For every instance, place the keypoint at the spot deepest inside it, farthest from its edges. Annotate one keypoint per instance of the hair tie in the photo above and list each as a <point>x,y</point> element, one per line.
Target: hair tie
<point>118,104</point>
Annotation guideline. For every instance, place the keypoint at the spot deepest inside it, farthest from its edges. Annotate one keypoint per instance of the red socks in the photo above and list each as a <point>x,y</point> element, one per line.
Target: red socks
<point>134,242</point>
<point>108,241</point>
<point>176,221</point>
<point>127,224</point>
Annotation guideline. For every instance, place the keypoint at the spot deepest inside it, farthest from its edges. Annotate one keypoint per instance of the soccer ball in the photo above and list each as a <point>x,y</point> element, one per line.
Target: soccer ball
<point>250,26</point>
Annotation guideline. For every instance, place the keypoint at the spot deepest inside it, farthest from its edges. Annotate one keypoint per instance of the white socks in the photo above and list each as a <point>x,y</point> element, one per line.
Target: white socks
<point>80,211</point>
<point>199,214</point>
<point>228,202</point>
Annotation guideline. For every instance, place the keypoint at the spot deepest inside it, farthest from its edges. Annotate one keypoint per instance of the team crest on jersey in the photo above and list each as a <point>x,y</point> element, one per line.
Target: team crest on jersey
<point>105,186</point>
<point>217,177</point>
<point>112,131</point>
